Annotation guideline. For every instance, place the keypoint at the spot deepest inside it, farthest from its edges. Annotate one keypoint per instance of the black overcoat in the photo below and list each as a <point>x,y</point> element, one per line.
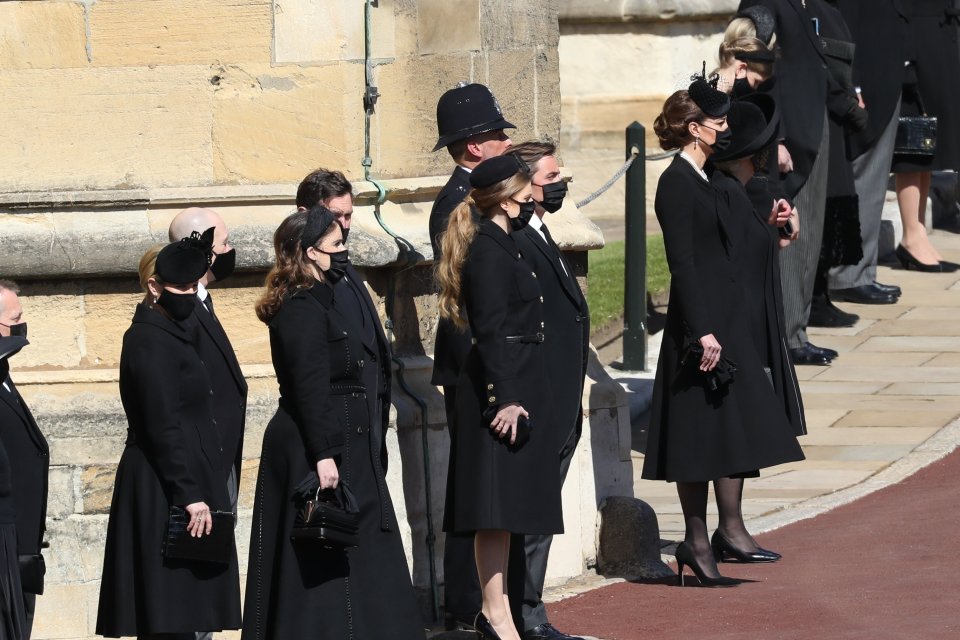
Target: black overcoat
<point>30,460</point>
<point>491,486</point>
<point>302,590</point>
<point>697,434</point>
<point>566,329</point>
<point>229,386</point>
<point>804,89</point>
<point>172,457</point>
<point>879,30</point>
<point>452,344</point>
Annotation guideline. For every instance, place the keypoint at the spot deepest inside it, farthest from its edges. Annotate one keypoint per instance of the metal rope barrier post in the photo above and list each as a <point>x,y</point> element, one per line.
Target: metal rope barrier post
<point>635,263</point>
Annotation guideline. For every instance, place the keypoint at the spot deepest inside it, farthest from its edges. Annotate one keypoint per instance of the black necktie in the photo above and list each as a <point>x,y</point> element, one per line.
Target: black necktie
<point>208,303</point>
<point>556,250</point>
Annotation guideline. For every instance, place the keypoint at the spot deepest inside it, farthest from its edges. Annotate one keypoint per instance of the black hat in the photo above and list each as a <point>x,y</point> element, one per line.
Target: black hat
<point>712,102</point>
<point>754,124</point>
<point>183,262</point>
<point>465,111</point>
<point>319,219</point>
<point>762,19</point>
<point>497,169</point>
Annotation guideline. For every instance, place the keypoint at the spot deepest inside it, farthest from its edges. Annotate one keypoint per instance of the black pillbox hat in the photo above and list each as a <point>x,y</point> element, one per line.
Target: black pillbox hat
<point>494,170</point>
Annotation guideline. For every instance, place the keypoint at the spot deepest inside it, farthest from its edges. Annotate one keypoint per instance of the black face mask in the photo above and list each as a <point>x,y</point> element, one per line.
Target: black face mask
<point>724,138</point>
<point>741,88</point>
<point>527,209</point>
<point>179,305</point>
<point>18,329</point>
<point>553,195</point>
<point>338,266</point>
<point>224,265</point>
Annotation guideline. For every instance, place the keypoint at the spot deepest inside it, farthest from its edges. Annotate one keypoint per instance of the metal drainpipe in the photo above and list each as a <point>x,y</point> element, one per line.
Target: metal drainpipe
<point>408,257</point>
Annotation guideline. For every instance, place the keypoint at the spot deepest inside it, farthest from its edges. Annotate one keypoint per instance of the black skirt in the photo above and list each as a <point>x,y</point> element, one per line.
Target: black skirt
<point>12,615</point>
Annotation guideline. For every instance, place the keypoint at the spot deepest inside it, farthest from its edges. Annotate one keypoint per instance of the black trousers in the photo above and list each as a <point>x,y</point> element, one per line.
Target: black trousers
<point>462,595</point>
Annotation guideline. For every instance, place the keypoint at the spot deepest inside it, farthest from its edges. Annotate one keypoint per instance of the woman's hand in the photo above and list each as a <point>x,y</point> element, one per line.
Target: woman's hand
<point>328,474</point>
<point>780,213</point>
<point>784,159</point>
<point>711,352</point>
<point>200,521</point>
<point>505,422</point>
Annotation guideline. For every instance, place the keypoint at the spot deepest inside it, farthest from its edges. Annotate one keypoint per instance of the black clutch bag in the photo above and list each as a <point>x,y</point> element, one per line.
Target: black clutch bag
<point>32,570</point>
<point>524,428</point>
<point>916,136</point>
<point>329,517</point>
<point>215,547</point>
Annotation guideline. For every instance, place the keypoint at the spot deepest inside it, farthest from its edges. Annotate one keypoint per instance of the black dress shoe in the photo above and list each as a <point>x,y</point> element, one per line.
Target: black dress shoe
<point>485,630</point>
<point>864,294</point>
<point>723,551</point>
<point>909,262</point>
<point>824,314</point>
<point>546,631</point>
<point>829,353</point>
<point>459,621</point>
<point>806,355</point>
<point>889,288</point>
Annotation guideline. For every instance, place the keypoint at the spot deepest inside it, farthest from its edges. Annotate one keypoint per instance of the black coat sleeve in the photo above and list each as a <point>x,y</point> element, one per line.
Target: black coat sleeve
<point>155,367</point>
<point>490,276</point>
<point>675,206</point>
<point>301,328</point>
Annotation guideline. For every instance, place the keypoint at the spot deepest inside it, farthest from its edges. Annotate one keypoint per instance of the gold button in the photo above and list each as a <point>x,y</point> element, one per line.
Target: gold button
<point>542,325</point>
<point>492,399</point>
<point>533,273</point>
<point>489,387</point>
<point>541,299</point>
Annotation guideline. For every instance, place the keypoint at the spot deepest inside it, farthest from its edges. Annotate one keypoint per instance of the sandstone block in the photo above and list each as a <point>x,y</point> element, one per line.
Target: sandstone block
<point>278,124</point>
<point>106,318</point>
<point>629,540</point>
<point>130,33</point>
<point>61,495</point>
<point>512,76</point>
<point>63,611</point>
<point>111,128</point>
<point>42,35</point>
<point>96,488</point>
<point>645,10</point>
<point>76,549</point>
<point>55,318</point>
<point>298,25</point>
<point>446,26</point>
<point>508,25</point>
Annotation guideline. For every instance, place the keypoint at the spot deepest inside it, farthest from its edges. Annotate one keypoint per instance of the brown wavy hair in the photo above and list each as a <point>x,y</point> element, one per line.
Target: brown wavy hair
<point>291,269</point>
<point>671,126</point>
<point>458,236</point>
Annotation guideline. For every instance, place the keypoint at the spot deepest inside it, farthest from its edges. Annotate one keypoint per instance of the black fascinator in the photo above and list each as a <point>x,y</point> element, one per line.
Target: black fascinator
<point>704,93</point>
<point>319,219</point>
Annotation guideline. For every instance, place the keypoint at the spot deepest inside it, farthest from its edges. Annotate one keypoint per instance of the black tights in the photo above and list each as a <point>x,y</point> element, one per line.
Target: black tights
<point>693,501</point>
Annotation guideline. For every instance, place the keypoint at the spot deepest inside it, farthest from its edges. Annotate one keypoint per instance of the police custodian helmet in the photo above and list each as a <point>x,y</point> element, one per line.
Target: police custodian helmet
<point>465,111</point>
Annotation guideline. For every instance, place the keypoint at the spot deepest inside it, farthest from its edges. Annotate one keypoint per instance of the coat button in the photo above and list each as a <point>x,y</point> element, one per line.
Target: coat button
<point>541,299</point>
<point>211,391</point>
<point>533,273</point>
<point>214,420</point>
<point>344,333</point>
<point>492,399</point>
<point>542,325</point>
<point>489,387</point>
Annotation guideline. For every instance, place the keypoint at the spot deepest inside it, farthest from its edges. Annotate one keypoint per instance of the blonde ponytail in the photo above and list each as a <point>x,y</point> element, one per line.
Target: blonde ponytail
<point>454,246</point>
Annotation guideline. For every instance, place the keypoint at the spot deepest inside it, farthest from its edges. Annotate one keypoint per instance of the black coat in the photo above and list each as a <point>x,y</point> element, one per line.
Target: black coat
<point>491,486</point>
<point>804,88</point>
<point>229,386</point>
<point>30,460</point>
<point>452,344</point>
<point>697,434</point>
<point>173,457</point>
<point>303,590</point>
<point>879,30</point>
<point>566,330</point>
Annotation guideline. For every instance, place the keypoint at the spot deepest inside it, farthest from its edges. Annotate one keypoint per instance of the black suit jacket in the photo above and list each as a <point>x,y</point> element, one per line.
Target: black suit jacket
<point>229,385</point>
<point>29,463</point>
<point>566,327</point>
<point>879,30</point>
<point>452,344</point>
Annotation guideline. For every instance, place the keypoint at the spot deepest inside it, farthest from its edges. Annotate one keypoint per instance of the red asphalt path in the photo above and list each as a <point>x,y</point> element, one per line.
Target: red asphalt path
<point>883,567</point>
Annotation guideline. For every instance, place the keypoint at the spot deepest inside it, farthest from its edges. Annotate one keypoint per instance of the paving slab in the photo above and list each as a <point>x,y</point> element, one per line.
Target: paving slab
<point>893,418</point>
<point>893,373</point>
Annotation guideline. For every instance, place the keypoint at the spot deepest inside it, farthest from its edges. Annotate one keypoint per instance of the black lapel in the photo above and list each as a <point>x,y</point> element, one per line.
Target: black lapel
<point>219,337</point>
<point>365,298</point>
<point>544,247</point>
<point>19,405</point>
<point>501,237</point>
<point>807,26</point>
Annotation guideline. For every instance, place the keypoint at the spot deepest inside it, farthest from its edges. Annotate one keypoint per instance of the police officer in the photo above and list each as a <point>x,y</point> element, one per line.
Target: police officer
<point>471,127</point>
<point>29,459</point>
<point>566,330</point>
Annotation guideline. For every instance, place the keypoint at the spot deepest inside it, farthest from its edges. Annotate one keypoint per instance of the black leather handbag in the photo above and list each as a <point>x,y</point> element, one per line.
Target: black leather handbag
<point>328,517</point>
<point>916,135</point>
<point>215,547</point>
<point>32,570</point>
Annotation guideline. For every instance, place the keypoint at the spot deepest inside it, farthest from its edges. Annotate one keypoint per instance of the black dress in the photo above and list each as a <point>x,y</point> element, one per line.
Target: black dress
<point>303,590</point>
<point>933,80</point>
<point>172,457</point>
<point>12,617</point>
<point>697,434</point>
<point>491,485</point>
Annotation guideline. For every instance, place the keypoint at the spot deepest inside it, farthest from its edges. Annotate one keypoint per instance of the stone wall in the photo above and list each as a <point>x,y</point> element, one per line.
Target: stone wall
<point>119,113</point>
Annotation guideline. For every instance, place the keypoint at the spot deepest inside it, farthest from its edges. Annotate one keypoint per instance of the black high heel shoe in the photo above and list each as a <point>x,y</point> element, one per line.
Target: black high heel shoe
<point>909,262</point>
<point>685,556</point>
<point>484,629</point>
<point>723,548</point>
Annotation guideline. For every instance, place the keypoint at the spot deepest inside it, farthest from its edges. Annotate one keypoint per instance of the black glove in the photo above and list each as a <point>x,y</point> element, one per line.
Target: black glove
<point>856,119</point>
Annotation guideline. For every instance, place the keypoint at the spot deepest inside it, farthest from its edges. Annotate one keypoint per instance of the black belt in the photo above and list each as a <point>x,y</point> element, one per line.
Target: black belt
<point>534,338</point>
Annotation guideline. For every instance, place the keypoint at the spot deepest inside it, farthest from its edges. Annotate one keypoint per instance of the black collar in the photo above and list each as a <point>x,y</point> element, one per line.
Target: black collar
<point>492,230</point>
<point>180,330</point>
